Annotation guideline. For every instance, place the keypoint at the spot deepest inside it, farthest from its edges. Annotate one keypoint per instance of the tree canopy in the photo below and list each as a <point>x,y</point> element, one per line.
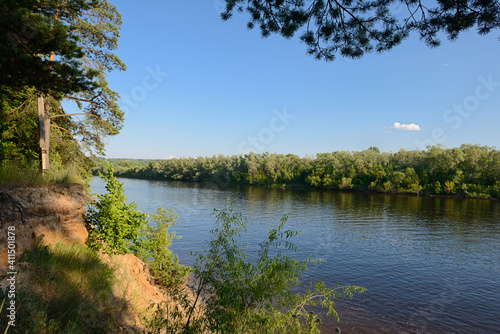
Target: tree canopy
<point>469,171</point>
<point>98,30</point>
<point>354,28</point>
<point>38,48</point>
<point>64,49</point>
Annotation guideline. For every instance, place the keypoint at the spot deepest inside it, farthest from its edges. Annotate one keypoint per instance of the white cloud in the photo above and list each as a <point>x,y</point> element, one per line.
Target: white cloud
<point>406,127</point>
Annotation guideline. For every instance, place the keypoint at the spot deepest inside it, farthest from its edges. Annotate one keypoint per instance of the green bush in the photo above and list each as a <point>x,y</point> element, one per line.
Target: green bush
<point>153,248</point>
<point>234,294</point>
<point>113,224</point>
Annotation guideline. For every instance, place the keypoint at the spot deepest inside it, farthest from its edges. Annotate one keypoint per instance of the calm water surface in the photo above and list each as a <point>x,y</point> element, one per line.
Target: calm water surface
<point>431,265</point>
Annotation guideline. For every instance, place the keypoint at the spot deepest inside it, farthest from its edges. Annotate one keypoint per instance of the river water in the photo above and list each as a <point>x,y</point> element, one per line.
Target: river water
<point>430,265</point>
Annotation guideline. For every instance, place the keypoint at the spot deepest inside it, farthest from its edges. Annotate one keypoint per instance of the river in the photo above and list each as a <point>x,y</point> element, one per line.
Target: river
<point>430,265</point>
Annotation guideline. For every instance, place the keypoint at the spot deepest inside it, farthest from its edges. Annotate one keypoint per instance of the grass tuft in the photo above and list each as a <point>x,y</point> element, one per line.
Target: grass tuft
<point>65,289</point>
<point>29,174</point>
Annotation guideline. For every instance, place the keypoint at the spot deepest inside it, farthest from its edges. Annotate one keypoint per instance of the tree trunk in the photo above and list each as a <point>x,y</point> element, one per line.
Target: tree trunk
<point>44,128</point>
<point>44,134</point>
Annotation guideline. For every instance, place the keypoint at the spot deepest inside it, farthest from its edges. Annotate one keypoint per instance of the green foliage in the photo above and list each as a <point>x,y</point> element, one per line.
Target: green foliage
<point>32,30</point>
<point>98,30</point>
<point>435,170</point>
<point>113,224</point>
<point>64,289</point>
<point>235,294</point>
<point>340,27</point>
<point>122,167</point>
<point>81,35</point>
<point>19,141</point>
<point>153,248</point>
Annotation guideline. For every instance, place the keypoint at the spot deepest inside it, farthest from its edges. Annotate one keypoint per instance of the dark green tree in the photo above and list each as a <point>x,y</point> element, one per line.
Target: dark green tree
<point>99,115</point>
<point>92,28</point>
<point>354,28</point>
<point>39,49</point>
<point>471,170</point>
<point>18,125</point>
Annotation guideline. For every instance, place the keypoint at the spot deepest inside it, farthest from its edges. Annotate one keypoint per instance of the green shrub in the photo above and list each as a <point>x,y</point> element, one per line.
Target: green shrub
<point>153,248</point>
<point>438,189</point>
<point>475,190</point>
<point>112,223</point>
<point>238,295</point>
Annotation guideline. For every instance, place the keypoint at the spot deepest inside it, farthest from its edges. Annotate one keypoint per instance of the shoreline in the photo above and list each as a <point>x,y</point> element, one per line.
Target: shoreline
<point>295,186</point>
<point>357,318</point>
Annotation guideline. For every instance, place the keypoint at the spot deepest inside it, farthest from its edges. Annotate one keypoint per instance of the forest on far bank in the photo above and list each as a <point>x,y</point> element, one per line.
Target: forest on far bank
<point>468,170</point>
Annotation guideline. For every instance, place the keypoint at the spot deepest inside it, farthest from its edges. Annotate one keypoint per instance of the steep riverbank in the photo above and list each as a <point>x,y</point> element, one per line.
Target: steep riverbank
<point>110,293</point>
<point>56,212</point>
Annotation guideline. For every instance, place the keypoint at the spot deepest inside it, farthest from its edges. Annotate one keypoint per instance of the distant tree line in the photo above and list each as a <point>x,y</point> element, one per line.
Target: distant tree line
<point>469,171</point>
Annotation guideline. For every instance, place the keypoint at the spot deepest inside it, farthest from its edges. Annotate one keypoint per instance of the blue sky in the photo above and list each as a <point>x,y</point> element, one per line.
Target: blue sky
<point>199,86</point>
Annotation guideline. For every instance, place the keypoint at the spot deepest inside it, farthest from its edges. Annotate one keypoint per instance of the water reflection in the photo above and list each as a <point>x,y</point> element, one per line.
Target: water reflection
<point>430,264</point>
